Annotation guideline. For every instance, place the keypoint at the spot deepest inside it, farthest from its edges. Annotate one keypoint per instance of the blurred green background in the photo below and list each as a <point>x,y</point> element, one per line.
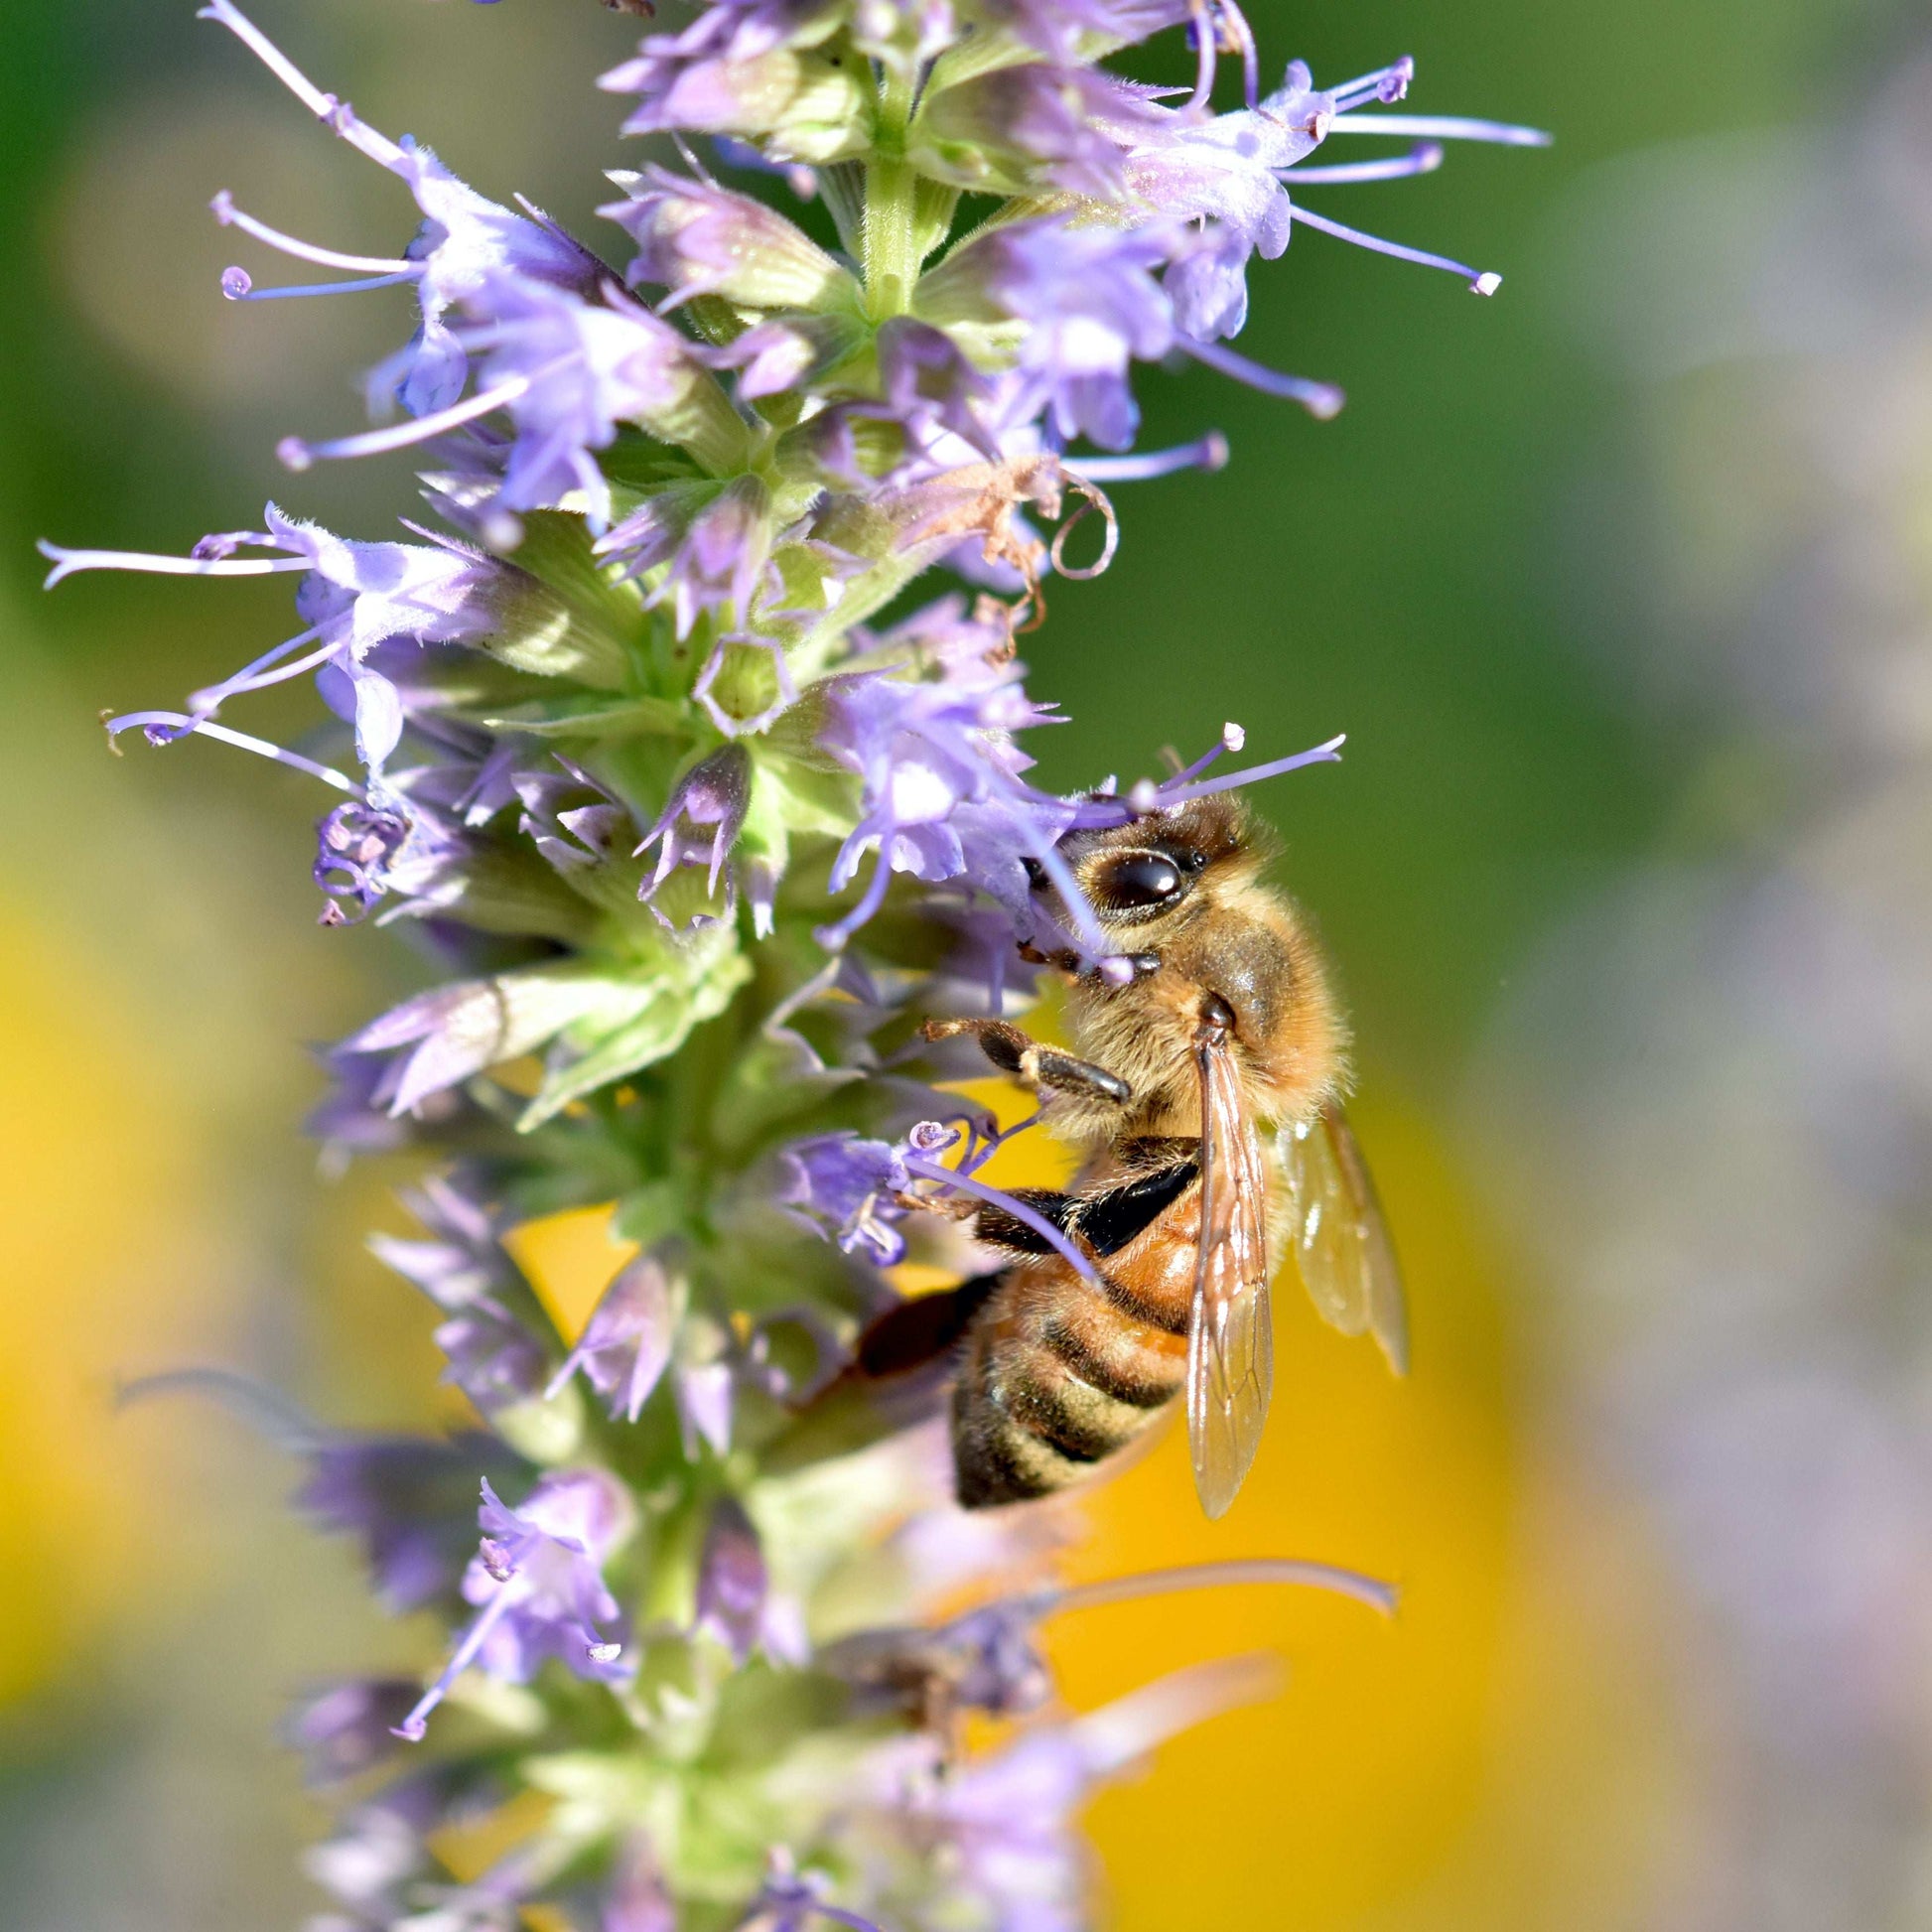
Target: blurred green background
<point>1552,570</point>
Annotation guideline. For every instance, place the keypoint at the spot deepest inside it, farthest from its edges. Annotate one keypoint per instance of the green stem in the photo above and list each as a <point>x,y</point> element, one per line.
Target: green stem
<point>888,249</point>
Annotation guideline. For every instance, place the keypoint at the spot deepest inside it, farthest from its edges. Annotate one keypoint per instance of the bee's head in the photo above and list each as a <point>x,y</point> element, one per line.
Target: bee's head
<point>1140,878</point>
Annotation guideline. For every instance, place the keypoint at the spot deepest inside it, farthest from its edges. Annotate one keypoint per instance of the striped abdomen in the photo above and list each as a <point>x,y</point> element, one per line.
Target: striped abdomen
<point>1058,1373</point>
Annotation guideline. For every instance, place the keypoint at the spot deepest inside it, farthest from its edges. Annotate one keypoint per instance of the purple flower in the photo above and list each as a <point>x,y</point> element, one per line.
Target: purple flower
<point>849,1187</point>
<point>695,237</point>
<point>704,1390</point>
<point>567,372</point>
<point>715,540</point>
<point>987,1659</point>
<point>538,1576</point>
<point>354,1115</point>
<point>349,1729</point>
<point>701,823</point>
<point>1091,305</point>
<point>408,1499</point>
<point>635,1899</point>
<point>757,68</point>
<point>736,1602</point>
<point>355,847</point>
<point>790,352</point>
<point>494,1358</point>
<point>465,240</point>
<point>862,1188</point>
<point>574,820</point>
<point>791,1899</point>
<point>464,1264</point>
<point>930,386</point>
<point>626,1343</point>
<point>1023,127</point>
<point>925,751</point>
<point>578,370</point>
<point>1007,1820</point>
<point>444,1036</point>
<point>353,598</point>
<point>377,1856</point>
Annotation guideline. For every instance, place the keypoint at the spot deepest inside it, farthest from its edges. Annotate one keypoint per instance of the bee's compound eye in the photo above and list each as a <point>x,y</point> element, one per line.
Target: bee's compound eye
<point>1035,871</point>
<point>1136,882</point>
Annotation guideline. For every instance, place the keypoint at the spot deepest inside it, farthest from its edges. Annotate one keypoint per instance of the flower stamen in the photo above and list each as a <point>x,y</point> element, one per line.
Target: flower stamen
<point>229,216</point>
<point>1209,452</point>
<point>1323,400</point>
<point>238,285</point>
<point>296,454</point>
<point>1442,127</point>
<point>1480,281</point>
<point>167,727</point>
<point>68,563</point>
<point>334,114</point>
<point>1422,159</point>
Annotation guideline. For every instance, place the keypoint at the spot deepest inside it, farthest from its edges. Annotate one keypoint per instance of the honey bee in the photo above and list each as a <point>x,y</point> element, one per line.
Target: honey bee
<point>1225,1025</point>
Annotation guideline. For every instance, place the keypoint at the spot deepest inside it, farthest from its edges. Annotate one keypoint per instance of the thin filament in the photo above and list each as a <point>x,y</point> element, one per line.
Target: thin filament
<point>1320,399</point>
<point>230,216</point>
<point>1423,159</point>
<point>298,455</point>
<point>951,1177</point>
<point>336,114</point>
<point>1482,283</point>
<point>238,286</point>
<point>208,699</point>
<point>1327,753</point>
<point>67,562</point>
<point>1441,128</point>
<point>171,725</point>
<point>1209,452</point>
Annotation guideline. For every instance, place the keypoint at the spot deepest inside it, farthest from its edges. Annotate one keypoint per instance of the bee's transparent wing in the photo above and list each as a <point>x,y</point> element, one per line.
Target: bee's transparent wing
<point>1230,1341</point>
<point>1338,1235</point>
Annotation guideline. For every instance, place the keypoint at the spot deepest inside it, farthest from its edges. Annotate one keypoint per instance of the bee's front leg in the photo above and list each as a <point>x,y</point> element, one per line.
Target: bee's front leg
<point>1039,1068</point>
<point>1134,965</point>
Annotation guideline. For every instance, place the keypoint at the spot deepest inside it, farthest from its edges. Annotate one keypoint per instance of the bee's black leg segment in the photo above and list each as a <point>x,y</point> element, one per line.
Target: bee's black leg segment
<point>1041,1069</point>
<point>1062,959</point>
<point>1053,1071</point>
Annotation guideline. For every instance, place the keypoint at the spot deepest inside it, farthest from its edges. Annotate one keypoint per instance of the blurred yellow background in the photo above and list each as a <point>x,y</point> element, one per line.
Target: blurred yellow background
<point>1542,570</point>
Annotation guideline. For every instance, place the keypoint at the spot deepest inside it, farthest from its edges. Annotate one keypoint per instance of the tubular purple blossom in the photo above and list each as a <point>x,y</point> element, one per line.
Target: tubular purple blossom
<point>463,237</point>
<point>695,237</point>
<point>712,799</point>
<point>626,1343</point>
<point>538,1576</point>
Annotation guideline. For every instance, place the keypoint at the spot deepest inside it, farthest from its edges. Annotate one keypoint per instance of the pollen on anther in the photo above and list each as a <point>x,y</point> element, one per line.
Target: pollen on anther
<point>293,454</point>
<point>235,283</point>
<point>1487,284</point>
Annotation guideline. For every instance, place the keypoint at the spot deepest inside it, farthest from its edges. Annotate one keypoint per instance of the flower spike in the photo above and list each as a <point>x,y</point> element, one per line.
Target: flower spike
<point>713,830</point>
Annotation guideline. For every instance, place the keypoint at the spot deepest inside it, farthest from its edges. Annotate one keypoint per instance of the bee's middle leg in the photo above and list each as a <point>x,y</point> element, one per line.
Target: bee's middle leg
<point>1039,1068</point>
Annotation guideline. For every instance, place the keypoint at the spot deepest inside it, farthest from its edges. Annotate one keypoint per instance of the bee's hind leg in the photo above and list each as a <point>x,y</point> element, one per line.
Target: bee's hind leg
<point>1039,1068</point>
